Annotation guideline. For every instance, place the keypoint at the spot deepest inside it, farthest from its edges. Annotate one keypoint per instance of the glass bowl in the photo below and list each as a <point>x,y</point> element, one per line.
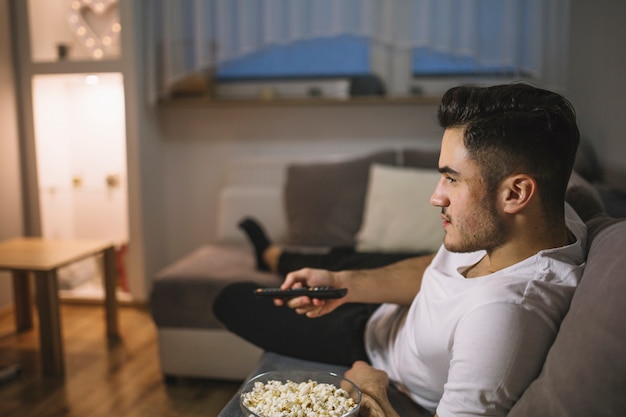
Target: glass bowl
<point>306,398</point>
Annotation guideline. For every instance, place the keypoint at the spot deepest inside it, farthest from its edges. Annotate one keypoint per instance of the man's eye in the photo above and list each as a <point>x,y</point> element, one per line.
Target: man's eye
<point>450,180</point>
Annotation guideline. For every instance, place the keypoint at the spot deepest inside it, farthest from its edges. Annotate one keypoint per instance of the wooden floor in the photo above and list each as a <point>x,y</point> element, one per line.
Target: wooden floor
<point>102,378</point>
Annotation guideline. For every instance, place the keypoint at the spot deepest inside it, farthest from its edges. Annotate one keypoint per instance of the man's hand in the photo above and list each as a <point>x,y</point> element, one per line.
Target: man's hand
<point>397,283</point>
<point>373,385</point>
<point>309,277</point>
<point>369,380</point>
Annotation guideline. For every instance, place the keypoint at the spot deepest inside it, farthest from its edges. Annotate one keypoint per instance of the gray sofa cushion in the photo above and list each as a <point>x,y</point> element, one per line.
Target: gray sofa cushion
<point>324,201</point>
<point>183,293</point>
<point>585,371</point>
<point>583,197</point>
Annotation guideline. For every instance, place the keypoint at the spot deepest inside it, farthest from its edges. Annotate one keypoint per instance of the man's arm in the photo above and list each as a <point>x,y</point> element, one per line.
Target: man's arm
<point>398,283</point>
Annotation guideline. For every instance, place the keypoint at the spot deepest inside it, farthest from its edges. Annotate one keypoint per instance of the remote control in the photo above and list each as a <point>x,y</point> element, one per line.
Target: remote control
<point>321,293</point>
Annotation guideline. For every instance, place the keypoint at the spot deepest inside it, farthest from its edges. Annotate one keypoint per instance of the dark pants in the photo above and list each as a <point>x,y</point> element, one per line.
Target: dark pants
<point>339,259</point>
<point>335,338</point>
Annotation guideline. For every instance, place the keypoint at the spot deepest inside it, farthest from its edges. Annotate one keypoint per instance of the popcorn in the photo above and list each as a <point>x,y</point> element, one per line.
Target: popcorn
<point>291,399</point>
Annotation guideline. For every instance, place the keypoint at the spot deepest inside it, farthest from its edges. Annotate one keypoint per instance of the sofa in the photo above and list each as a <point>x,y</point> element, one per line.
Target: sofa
<point>585,370</point>
<point>304,202</point>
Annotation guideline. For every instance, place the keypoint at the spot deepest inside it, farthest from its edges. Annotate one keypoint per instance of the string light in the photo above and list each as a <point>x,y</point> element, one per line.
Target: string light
<point>96,46</point>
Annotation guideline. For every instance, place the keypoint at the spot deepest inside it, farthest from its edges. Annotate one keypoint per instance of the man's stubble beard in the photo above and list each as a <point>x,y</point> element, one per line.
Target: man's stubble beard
<point>491,230</point>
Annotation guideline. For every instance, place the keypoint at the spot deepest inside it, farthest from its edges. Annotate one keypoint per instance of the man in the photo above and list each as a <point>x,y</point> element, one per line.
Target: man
<point>462,332</point>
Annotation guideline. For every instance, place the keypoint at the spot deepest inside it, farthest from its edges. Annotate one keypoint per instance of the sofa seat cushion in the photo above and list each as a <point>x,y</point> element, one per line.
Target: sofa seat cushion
<point>183,293</point>
<point>585,370</point>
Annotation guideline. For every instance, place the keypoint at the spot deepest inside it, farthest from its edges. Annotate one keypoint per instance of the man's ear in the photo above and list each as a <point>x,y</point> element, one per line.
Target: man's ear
<point>516,192</point>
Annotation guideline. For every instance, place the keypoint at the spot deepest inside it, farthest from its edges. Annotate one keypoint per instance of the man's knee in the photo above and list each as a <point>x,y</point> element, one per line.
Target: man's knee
<point>230,300</point>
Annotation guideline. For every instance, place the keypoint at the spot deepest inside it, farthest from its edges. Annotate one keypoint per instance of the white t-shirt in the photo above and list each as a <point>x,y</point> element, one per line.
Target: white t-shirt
<point>468,347</point>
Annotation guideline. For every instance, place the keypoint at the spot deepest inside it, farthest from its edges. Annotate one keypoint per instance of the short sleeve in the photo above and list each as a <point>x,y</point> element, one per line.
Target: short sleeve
<point>498,351</point>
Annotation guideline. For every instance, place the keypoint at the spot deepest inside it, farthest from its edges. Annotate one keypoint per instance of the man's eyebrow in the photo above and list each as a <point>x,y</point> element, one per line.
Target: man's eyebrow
<point>447,170</point>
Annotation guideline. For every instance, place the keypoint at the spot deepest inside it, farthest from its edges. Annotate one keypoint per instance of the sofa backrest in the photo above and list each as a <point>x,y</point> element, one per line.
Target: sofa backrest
<point>253,186</point>
<point>305,200</point>
<point>585,370</point>
<point>583,197</point>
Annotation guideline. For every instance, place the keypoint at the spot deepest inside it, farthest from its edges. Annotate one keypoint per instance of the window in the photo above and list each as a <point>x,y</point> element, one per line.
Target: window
<point>402,43</point>
<point>341,56</point>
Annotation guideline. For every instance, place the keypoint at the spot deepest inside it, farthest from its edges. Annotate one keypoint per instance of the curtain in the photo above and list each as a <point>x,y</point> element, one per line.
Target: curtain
<point>529,35</point>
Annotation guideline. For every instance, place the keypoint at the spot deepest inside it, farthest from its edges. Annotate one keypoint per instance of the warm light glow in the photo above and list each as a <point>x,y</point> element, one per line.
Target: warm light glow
<point>80,138</point>
<point>116,27</point>
<point>92,79</point>
<point>81,31</point>
<point>97,53</point>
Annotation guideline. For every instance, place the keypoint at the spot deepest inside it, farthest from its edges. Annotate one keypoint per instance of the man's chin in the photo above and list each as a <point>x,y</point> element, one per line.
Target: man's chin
<point>450,247</point>
<point>456,248</point>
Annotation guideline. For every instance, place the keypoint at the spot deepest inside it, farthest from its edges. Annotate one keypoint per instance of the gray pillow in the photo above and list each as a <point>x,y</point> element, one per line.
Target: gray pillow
<point>324,201</point>
<point>583,197</point>
<point>585,371</point>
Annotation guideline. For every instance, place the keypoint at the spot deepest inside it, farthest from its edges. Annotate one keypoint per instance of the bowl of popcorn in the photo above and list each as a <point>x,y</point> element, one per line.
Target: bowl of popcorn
<point>300,393</point>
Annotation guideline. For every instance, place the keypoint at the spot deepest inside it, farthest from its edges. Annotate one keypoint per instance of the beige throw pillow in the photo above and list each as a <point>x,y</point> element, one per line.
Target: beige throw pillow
<point>398,215</point>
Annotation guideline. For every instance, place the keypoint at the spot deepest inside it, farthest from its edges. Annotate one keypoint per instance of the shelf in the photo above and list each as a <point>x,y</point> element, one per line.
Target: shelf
<point>75,67</point>
<point>205,101</point>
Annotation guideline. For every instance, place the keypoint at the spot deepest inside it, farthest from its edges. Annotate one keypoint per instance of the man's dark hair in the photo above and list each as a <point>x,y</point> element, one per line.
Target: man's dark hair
<point>516,128</point>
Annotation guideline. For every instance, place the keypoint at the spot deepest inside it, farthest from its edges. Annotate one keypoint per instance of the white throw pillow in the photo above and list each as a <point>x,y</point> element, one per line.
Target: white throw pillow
<point>398,215</point>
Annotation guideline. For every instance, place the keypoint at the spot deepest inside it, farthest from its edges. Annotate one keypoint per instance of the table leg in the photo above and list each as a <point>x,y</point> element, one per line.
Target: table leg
<point>51,342</point>
<point>110,298</point>
<point>21,300</point>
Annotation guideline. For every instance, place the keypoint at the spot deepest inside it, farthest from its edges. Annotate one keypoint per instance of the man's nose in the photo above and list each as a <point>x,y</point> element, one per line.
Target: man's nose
<point>438,198</point>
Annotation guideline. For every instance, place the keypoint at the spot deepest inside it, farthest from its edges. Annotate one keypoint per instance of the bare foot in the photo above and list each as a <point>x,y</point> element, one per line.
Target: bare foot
<point>271,255</point>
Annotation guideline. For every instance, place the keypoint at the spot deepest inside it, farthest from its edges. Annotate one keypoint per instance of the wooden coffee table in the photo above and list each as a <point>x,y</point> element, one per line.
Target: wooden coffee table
<point>43,257</point>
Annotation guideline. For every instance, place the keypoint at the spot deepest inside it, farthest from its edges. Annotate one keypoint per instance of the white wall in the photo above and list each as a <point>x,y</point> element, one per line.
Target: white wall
<point>11,216</point>
<point>597,85</point>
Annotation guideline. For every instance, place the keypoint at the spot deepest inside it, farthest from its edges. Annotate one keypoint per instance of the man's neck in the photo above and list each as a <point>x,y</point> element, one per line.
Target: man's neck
<point>519,249</point>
